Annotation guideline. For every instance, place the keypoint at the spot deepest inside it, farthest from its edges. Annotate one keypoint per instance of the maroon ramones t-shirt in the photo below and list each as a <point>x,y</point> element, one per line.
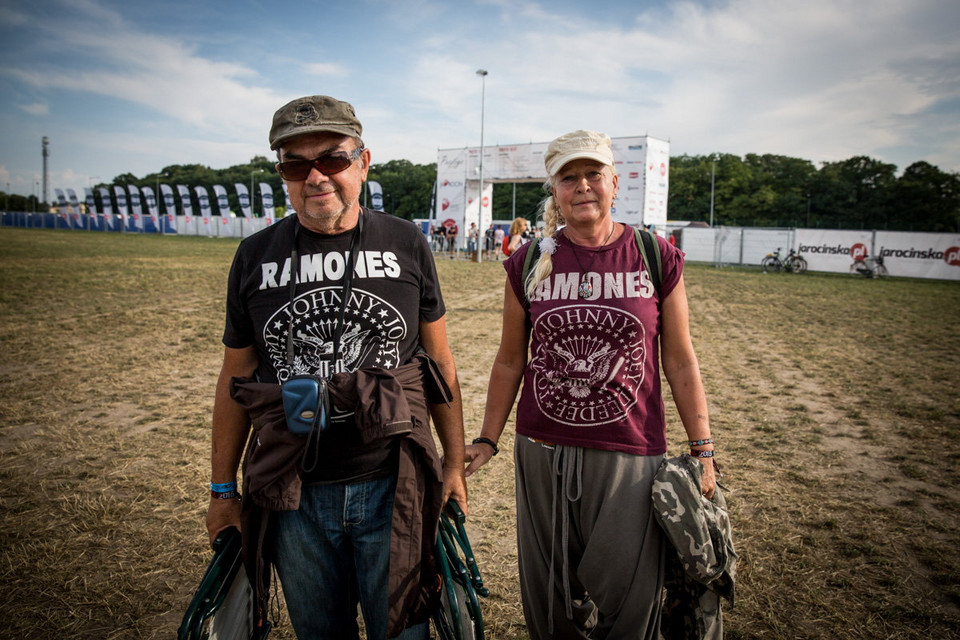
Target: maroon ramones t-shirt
<point>593,379</point>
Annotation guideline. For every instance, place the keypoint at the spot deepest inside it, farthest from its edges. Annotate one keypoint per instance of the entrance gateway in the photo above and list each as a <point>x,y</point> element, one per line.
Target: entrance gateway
<point>642,162</point>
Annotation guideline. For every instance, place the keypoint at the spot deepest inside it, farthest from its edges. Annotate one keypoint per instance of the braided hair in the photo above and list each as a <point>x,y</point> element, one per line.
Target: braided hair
<point>552,218</point>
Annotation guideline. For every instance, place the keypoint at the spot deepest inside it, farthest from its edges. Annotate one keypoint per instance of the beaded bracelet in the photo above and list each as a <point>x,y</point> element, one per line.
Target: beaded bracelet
<point>223,487</point>
<point>702,454</point>
<point>697,443</point>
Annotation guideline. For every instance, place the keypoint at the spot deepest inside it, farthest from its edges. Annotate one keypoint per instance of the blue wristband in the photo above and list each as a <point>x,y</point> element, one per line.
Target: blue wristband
<point>223,487</point>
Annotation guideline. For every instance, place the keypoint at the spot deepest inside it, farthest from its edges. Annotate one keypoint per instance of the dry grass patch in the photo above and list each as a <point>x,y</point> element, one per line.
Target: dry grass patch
<point>834,402</point>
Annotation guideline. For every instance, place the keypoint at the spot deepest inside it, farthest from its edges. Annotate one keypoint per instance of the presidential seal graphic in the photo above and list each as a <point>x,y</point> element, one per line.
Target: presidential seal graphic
<point>588,364</point>
<point>372,330</point>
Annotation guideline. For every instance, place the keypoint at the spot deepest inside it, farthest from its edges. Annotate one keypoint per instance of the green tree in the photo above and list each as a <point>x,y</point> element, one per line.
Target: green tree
<point>927,199</point>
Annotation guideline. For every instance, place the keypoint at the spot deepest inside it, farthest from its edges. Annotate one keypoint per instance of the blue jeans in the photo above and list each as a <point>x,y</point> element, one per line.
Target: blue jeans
<point>333,553</point>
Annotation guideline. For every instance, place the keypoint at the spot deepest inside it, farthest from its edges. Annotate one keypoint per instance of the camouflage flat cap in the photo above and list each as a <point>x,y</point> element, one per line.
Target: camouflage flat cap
<point>313,114</point>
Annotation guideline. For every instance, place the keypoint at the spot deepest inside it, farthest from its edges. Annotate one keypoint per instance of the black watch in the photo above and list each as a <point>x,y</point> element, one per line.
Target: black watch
<point>488,441</point>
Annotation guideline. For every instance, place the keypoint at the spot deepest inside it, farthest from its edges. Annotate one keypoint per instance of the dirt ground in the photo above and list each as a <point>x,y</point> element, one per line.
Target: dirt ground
<point>834,403</point>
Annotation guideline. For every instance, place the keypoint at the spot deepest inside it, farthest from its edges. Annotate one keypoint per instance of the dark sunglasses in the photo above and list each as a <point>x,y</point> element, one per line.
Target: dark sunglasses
<point>328,164</point>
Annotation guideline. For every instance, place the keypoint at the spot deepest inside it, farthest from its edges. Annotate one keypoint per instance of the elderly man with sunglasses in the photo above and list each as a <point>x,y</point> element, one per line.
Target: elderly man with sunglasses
<point>336,353</point>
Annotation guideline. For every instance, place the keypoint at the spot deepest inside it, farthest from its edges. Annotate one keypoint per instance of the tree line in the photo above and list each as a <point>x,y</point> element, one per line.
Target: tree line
<point>755,190</point>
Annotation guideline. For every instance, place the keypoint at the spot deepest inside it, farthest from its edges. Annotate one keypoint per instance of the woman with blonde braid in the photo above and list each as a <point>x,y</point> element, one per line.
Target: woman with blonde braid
<point>591,431</point>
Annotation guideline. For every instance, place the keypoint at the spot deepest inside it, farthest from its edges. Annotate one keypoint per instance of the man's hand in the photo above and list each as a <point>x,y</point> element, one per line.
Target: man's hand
<point>455,487</point>
<point>222,514</point>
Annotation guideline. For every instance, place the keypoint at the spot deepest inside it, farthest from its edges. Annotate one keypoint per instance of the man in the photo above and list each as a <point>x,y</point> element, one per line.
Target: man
<point>472,234</point>
<point>363,304</point>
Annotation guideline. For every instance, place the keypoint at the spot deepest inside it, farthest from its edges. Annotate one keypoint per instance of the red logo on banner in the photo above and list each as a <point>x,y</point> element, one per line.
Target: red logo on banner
<point>858,251</point>
<point>634,174</point>
<point>663,169</point>
<point>486,202</point>
<point>444,205</point>
<point>952,256</point>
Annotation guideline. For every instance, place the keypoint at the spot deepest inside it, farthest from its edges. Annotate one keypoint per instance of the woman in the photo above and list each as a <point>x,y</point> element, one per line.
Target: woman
<point>591,432</point>
<point>517,228</point>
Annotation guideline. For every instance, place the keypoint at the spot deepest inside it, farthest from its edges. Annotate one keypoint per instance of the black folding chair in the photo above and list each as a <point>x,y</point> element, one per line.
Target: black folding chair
<point>459,616</point>
<point>222,607</point>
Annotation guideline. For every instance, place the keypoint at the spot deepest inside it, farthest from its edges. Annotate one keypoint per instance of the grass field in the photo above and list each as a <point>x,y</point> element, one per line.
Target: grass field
<point>834,402</point>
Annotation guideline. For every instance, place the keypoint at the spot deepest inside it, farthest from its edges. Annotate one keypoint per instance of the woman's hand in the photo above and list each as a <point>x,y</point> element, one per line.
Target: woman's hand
<point>708,482</point>
<point>476,456</point>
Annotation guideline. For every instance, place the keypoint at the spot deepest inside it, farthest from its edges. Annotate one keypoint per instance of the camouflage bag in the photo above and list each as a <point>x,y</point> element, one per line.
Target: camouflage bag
<point>704,566</point>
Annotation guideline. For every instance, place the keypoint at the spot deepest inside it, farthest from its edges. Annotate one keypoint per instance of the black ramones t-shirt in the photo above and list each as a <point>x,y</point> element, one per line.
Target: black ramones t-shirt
<point>394,288</point>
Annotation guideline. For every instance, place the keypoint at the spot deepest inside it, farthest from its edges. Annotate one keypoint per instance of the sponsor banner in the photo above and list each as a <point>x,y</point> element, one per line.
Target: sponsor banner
<point>452,188</point>
<point>223,203</point>
<point>919,255</point>
<point>121,196</point>
<point>62,204</point>
<point>186,206</point>
<point>151,201</point>
<point>243,196</point>
<point>136,209</point>
<point>75,209</point>
<point>656,182</point>
<point>169,208</point>
<point>832,249</point>
<point>203,200</point>
<point>629,155</point>
<point>90,202</point>
<point>107,208</point>
<point>376,195</point>
<point>266,200</point>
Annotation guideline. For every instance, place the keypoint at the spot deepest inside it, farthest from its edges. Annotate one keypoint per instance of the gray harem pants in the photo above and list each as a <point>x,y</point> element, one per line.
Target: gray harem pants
<point>590,550</point>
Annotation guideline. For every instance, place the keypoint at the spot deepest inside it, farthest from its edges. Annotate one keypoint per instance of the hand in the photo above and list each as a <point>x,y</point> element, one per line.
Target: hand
<point>708,481</point>
<point>476,455</point>
<point>455,487</point>
<point>220,515</point>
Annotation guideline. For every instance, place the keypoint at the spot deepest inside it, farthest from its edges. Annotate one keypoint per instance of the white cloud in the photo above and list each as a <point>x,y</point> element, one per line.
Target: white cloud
<point>326,69</point>
<point>35,109</point>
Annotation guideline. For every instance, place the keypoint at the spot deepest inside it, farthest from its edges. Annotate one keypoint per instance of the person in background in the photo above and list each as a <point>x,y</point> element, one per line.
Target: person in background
<point>591,430</point>
<point>488,239</point>
<point>498,236</point>
<point>472,237</point>
<point>518,230</point>
<point>347,511</point>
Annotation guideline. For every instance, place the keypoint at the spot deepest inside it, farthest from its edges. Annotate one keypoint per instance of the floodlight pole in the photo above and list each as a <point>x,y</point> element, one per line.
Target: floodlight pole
<point>479,249</point>
<point>713,173</point>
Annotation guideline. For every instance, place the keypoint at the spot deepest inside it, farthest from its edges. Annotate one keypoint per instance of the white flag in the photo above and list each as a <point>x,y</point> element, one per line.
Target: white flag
<point>185,204</point>
<point>376,195</point>
<point>266,199</point>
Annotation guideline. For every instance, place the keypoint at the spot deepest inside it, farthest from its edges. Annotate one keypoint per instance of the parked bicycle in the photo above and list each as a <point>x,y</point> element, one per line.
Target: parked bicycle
<point>869,267</point>
<point>793,263</point>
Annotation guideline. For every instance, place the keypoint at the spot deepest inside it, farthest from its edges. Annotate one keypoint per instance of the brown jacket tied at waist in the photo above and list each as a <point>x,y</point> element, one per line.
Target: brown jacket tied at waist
<point>386,403</point>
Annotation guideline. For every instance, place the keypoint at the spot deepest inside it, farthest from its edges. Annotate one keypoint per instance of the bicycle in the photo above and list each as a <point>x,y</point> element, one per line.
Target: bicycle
<point>793,263</point>
<point>869,267</point>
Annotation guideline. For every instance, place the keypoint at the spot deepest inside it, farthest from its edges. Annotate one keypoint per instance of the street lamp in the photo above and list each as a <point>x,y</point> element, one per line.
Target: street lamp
<point>713,173</point>
<point>480,232</point>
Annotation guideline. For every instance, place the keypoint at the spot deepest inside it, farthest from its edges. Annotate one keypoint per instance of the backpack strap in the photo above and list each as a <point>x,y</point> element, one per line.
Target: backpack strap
<point>532,254</point>
<point>648,245</point>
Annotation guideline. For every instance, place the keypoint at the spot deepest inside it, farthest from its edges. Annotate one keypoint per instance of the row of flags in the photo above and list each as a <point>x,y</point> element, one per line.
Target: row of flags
<point>137,197</point>
<point>132,200</point>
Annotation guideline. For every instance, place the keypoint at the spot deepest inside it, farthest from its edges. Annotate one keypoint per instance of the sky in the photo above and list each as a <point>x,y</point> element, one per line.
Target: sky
<point>128,86</point>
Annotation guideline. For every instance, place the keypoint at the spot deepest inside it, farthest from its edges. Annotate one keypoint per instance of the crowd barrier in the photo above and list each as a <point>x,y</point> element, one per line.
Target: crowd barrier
<point>904,253</point>
<point>213,226</point>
